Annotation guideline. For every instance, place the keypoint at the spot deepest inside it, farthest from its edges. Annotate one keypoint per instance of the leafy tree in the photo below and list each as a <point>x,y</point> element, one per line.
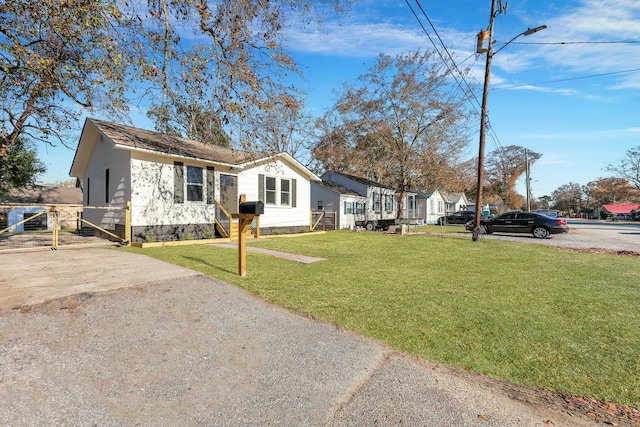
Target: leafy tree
<point>544,202</point>
<point>56,55</point>
<point>568,197</point>
<point>504,167</point>
<point>231,63</point>
<point>629,167</point>
<point>19,168</point>
<point>201,65</point>
<point>402,125</point>
<point>610,190</point>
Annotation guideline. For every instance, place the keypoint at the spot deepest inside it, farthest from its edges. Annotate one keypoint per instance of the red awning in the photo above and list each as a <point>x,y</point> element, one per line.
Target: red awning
<point>621,209</point>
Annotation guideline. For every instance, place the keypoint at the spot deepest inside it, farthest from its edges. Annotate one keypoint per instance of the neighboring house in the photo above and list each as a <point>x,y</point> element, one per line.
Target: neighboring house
<point>409,207</point>
<point>28,202</point>
<point>348,205</point>
<point>178,188</point>
<point>455,202</point>
<point>430,205</point>
<point>380,207</point>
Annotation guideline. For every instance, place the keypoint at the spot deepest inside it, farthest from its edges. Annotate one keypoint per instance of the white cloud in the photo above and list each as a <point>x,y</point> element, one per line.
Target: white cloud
<point>356,40</point>
<point>593,21</point>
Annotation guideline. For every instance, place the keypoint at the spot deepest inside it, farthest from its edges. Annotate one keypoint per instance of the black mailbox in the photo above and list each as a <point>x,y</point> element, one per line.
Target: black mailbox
<point>255,208</point>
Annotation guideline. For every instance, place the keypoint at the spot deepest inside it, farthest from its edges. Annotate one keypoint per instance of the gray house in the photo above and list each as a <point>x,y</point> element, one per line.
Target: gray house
<point>348,205</point>
<point>380,208</point>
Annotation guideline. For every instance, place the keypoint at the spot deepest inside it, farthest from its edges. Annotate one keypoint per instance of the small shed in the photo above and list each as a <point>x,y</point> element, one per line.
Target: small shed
<point>28,202</point>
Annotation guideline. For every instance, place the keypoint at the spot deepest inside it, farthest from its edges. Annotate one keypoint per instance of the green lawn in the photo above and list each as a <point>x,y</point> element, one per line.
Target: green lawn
<point>527,313</point>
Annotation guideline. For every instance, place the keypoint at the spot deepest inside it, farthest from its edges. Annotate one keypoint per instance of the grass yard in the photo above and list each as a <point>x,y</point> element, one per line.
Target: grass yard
<point>530,314</point>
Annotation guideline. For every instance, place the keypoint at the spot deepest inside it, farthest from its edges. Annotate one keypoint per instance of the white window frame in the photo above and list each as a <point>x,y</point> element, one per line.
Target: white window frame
<point>270,194</point>
<point>285,194</point>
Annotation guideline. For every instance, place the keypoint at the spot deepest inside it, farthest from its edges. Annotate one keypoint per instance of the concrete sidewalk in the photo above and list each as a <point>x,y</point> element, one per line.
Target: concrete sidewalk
<point>175,348</point>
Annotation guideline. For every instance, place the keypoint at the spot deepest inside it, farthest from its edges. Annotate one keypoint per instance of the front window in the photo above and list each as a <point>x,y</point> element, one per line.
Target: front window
<point>270,190</point>
<point>320,205</point>
<point>388,202</point>
<point>348,208</point>
<point>376,201</point>
<point>194,184</point>
<point>285,192</point>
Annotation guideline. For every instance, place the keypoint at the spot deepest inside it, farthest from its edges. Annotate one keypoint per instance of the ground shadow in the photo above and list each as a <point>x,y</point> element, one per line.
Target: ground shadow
<point>208,264</point>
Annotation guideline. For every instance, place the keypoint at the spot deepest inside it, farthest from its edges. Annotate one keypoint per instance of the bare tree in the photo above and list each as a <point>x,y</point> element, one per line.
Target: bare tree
<point>629,167</point>
<point>202,65</point>
<point>402,125</point>
<point>228,56</point>
<point>504,167</point>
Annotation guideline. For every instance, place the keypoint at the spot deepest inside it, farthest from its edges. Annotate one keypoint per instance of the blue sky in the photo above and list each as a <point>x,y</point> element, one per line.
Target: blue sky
<point>568,92</point>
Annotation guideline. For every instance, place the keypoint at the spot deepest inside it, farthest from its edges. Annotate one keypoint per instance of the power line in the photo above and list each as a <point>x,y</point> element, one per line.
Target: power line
<point>440,54</point>
<point>492,131</point>
<point>585,42</point>
<point>568,79</point>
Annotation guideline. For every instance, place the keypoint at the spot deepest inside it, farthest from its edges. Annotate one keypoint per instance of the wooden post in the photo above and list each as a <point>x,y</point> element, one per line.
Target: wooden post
<point>127,223</point>
<point>54,227</point>
<point>243,226</point>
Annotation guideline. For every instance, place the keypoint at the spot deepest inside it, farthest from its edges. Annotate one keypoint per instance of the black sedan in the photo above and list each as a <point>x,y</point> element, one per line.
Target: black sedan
<point>541,226</point>
<point>460,217</point>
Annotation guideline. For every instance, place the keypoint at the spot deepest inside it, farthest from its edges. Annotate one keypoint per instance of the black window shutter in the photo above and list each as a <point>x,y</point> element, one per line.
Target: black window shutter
<point>178,182</point>
<point>294,186</point>
<point>261,188</point>
<point>211,185</point>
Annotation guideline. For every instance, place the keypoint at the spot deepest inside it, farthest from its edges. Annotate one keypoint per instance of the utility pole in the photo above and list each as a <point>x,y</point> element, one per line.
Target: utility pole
<point>528,178</point>
<point>488,35</point>
<point>483,114</point>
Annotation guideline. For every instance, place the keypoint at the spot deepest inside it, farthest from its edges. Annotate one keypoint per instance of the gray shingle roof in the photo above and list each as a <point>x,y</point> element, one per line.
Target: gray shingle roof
<point>339,189</point>
<point>365,181</point>
<point>47,194</point>
<point>171,145</point>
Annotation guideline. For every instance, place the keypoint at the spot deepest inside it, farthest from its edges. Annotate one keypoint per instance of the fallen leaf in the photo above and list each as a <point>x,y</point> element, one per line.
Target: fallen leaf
<point>483,418</point>
<point>548,422</point>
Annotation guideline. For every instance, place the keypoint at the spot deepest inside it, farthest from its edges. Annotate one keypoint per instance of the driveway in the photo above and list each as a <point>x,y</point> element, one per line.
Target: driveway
<point>104,337</point>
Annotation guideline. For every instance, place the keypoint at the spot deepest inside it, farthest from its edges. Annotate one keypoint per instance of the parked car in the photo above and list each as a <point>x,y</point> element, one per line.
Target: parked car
<point>541,226</point>
<point>550,214</point>
<point>460,217</point>
<point>622,217</point>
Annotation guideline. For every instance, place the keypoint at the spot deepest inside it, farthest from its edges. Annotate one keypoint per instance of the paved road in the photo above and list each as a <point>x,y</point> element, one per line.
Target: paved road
<point>586,235</point>
<point>149,343</point>
<point>629,232</point>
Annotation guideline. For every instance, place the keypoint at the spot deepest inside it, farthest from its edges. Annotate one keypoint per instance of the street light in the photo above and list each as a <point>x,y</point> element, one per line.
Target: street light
<point>488,34</point>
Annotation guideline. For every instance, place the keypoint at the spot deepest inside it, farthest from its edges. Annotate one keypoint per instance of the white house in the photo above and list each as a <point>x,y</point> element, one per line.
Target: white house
<point>455,202</point>
<point>430,206</point>
<point>380,209</point>
<point>410,207</point>
<point>348,205</point>
<point>178,188</point>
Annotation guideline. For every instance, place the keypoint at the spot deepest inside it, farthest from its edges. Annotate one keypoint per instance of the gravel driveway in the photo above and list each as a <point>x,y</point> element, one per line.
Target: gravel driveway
<point>136,341</point>
<point>596,235</point>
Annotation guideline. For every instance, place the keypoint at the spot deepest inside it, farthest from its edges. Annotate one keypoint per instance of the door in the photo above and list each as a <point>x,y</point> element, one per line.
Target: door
<point>525,222</point>
<point>504,223</point>
<point>229,193</point>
